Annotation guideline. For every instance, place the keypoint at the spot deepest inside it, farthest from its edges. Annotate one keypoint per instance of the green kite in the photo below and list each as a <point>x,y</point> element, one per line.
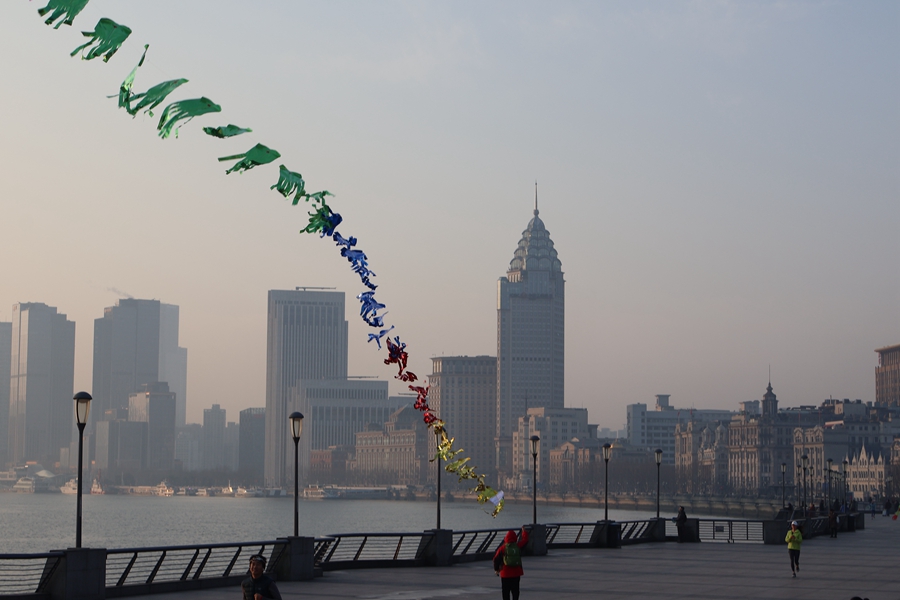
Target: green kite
<point>225,131</point>
<point>68,9</point>
<point>255,156</point>
<point>108,37</point>
<point>290,183</point>
<point>184,110</point>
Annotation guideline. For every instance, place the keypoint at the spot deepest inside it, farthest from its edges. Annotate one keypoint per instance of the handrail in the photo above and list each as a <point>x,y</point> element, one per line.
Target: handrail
<point>27,573</point>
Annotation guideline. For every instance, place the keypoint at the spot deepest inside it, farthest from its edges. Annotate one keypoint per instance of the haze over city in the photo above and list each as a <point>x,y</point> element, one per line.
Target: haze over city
<point>720,181</point>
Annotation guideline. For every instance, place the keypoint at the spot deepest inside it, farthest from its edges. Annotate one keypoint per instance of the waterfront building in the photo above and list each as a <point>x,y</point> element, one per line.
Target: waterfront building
<point>887,376</point>
<point>530,337</point>
<point>42,372</point>
<point>866,474</point>
<point>121,446</point>
<point>136,342</point>
<point>189,447</point>
<point>306,341</point>
<point>331,465</point>
<point>214,437</point>
<point>652,429</point>
<point>231,446</point>
<point>396,453</point>
<point>155,405</point>
<point>252,443</point>
<point>334,411</point>
<point>5,358</point>
<point>701,457</point>
<point>554,426</point>
<point>464,392</point>
<point>759,442</point>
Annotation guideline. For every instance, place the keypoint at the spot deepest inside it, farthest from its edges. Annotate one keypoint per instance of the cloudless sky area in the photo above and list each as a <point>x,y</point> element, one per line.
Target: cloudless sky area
<point>720,180</point>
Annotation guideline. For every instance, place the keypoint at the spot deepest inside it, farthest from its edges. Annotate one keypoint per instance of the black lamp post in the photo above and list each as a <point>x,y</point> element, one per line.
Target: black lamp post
<point>607,450</point>
<point>296,420</point>
<point>805,460</point>
<point>783,469</point>
<point>535,440</point>
<point>658,454</point>
<point>437,441</point>
<point>82,409</point>
<point>844,479</point>
<point>828,495</point>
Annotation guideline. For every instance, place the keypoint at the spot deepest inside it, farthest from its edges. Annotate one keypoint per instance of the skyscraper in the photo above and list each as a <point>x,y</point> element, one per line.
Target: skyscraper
<point>252,444</point>
<point>214,437</point>
<point>306,339</point>
<point>5,346</point>
<point>136,342</point>
<point>530,335</point>
<point>464,393</point>
<point>42,372</point>
<point>155,405</point>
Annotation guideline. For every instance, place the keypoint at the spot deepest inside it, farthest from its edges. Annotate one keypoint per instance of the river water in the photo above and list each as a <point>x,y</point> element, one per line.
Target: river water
<point>41,522</point>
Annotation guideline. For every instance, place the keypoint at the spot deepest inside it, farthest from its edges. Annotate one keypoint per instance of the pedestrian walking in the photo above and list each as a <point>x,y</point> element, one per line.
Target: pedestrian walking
<point>832,523</point>
<point>681,525</point>
<point>794,538</point>
<point>259,585</point>
<point>508,563</point>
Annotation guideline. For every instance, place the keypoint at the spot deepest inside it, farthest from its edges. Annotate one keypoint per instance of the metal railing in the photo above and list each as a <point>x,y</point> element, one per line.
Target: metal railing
<point>132,571</point>
<point>139,570</point>
<point>27,573</point>
<point>370,550</point>
<point>478,544</point>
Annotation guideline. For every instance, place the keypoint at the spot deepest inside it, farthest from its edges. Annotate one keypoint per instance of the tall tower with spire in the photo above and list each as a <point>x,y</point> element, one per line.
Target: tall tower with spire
<point>530,335</point>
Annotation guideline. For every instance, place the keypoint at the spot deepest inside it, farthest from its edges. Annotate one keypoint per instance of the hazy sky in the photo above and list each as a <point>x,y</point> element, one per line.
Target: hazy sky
<point>720,180</point>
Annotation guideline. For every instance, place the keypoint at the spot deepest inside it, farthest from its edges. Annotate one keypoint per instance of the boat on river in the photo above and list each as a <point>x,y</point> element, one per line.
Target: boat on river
<point>70,487</point>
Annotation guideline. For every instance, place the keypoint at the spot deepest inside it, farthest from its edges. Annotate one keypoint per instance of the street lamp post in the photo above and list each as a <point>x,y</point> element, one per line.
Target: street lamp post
<point>438,476</point>
<point>296,420</point>
<point>607,450</point>
<point>829,461</point>
<point>82,409</point>
<point>844,479</point>
<point>535,440</point>
<point>805,460</point>
<point>783,469</point>
<point>658,454</point>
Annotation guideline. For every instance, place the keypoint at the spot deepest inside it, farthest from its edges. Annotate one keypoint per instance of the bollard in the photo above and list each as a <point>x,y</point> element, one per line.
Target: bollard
<point>437,551</point>
<point>537,540</point>
<point>80,575</point>
<point>298,560</point>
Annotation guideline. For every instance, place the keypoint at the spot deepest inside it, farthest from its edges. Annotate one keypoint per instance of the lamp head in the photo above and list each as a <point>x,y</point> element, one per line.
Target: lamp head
<point>535,440</point>
<point>82,407</point>
<point>805,460</point>
<point>296,420</point>
<point>607,450</point>
<point>658,454</point>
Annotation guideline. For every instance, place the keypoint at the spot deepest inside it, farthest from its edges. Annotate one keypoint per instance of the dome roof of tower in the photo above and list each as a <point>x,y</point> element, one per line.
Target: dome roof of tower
<point>535,251</point>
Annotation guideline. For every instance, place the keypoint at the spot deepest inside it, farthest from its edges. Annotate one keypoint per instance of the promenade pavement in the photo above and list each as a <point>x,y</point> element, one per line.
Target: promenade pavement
<point>864,563</point>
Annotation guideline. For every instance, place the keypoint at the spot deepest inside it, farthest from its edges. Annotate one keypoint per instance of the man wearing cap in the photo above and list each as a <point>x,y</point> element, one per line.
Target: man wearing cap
<point>794,538</point>
<point>259,585</point>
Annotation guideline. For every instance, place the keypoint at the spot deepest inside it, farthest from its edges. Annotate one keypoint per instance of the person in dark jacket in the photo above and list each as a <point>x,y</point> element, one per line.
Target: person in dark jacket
<point>259,585</point>
<point>832,524</point>
<point>681,525</point>
<point>510,573</point>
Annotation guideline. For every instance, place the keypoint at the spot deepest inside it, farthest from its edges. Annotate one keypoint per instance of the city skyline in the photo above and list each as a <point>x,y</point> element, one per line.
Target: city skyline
<point>720,180</point>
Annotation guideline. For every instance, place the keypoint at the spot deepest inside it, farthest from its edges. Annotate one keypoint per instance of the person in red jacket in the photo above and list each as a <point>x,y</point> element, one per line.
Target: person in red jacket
<point>508,563</point>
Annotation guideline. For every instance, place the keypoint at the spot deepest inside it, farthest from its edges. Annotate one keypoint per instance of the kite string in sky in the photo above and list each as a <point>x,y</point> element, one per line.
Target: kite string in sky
<point>106,39</point>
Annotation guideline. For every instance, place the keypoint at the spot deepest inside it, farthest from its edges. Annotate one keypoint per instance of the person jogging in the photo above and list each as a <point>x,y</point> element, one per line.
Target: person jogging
<point>794,538</point>
<point>508,563</point>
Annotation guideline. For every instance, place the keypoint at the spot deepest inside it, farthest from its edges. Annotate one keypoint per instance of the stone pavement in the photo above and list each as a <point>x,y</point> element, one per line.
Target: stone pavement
<point>863,563</point>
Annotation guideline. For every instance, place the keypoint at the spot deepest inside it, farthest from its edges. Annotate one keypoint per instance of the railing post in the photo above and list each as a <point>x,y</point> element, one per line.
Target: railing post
<point>607,534</point>
<point>658,532</point>
<point>81,575</point>
<point>437,551</point>
<point>537,540</point>
<point>297,561</point>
